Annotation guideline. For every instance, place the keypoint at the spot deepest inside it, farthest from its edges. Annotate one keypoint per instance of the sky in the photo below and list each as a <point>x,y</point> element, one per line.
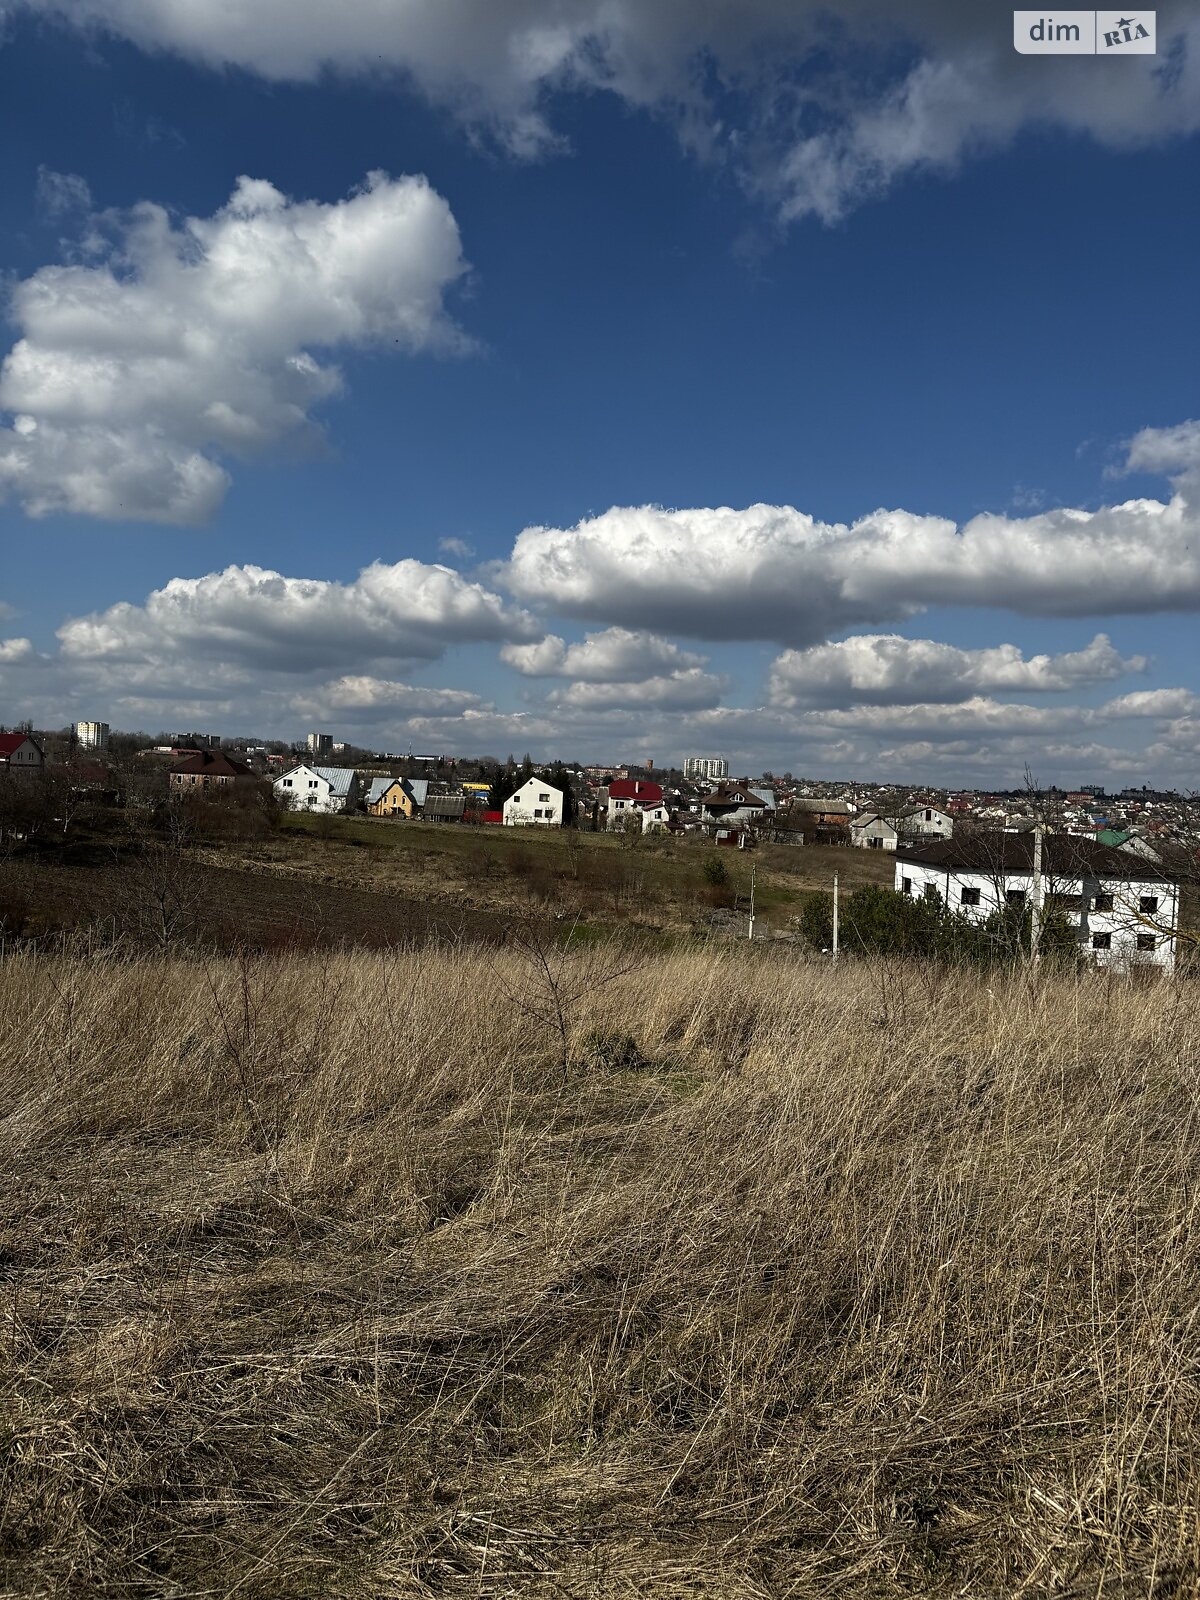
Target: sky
<point>605,380</point>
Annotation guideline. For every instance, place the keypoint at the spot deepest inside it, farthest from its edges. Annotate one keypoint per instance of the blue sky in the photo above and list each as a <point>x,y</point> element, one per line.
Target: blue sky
<point>894,269</point>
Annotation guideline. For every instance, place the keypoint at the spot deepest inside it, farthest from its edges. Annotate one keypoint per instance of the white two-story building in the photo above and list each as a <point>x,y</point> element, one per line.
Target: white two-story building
<point>1124,909</point>
<point>325,789</point>
<point>535,804</point>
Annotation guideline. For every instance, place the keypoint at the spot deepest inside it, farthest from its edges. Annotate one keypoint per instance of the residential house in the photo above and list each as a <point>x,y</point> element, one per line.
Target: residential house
<point>732,806</point>
<point>630,796</point>
<point>535,804</point>
<point>925,822</point>
<point>20,753</point>
<point>873,832</point>
<point>826,821</point>
<point>324,789</point>
<point>390,797</point>
<point>207,769</point>
<point>1124,909</point>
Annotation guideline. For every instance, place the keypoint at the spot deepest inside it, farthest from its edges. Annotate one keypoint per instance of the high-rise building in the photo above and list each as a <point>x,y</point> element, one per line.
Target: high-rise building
<point>714,767</point>
<point>91,735</point>
<point>320,744</point>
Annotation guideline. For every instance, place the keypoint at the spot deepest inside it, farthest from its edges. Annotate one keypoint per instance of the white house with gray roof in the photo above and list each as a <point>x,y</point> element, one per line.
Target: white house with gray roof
<point>325,789</point>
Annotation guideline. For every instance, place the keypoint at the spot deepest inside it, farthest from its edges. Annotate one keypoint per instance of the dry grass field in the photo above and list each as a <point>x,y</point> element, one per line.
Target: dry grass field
<point>531,1272</point>
<point>357,881</point>
<point>498,871</point>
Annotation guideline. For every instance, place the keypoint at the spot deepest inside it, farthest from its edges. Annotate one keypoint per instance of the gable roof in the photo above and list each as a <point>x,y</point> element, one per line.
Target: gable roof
<point>540,783</point>
<point>10,743</point>
<point>735,796</point>
<point>445,805</point>
<point>819,806</point>
<point>1064,855</point>
<point>639,789</point>
<point>380,786</point>
<point>339,779</point>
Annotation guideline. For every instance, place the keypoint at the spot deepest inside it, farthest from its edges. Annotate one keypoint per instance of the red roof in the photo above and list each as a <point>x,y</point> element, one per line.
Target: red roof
<point>10,742</point>
<point>646,794</point>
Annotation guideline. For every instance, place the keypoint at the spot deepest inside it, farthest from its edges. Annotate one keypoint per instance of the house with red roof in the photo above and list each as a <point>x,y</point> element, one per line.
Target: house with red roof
<point>636,797</point>
<point>20,753</point>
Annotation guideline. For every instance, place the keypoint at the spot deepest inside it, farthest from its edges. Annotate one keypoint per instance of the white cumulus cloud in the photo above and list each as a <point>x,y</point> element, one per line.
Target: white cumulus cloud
<point>688,690</point>
<point>775,573</point>
<point>888,669</point>
<point>818,106</point>
<point>178,346</point>
<point>1171,451</point>
<point>250,617</point>
<point>617,655</point>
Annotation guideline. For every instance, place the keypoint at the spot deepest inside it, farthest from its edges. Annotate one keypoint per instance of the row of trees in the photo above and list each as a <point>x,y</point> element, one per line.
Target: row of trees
<point>878,921</point>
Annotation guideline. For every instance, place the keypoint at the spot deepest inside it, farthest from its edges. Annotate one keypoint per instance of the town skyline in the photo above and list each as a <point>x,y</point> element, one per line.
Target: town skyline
<point>584,405</point>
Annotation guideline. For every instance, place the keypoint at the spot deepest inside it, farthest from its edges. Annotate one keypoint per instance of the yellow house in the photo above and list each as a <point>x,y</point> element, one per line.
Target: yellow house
<point>390,797</point>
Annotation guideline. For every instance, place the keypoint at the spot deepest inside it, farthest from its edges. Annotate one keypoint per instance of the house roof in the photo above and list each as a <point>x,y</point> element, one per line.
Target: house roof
<point>1114,838</point>
<point>535,782</point>
<point>380,786</point>
<point>212,764</point>
<point>639,789</point>
<point>445,805</point>
<point>1064,855</point>
<point>737,796</point>
<point>11,742</point>
<point>818,807</point>
<point>339,779</point>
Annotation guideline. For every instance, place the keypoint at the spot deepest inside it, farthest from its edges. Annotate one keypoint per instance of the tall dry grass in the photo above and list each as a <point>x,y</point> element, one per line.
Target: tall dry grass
<point>322,1277</point>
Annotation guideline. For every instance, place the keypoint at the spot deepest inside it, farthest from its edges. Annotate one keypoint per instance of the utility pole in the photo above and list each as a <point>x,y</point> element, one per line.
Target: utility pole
<point>835,916</point>
<point>750,935</point>
<point>1035,930</point>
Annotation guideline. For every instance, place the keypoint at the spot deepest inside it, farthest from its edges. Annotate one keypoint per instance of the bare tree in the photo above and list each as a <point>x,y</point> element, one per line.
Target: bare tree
<point>161,888</point>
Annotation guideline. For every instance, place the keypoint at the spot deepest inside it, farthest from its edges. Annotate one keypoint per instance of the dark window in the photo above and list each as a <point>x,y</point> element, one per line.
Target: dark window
<point>1146,941</point>
<point>905,885</point>
<point>970,897</point>
<point>1015,897</point>
<point>1102,941</point>
<point>1102,902</point>
<point>1149,904</point>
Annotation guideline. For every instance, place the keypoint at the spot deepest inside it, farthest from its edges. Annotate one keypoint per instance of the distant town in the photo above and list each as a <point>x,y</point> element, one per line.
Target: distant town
<point>326,775</point>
